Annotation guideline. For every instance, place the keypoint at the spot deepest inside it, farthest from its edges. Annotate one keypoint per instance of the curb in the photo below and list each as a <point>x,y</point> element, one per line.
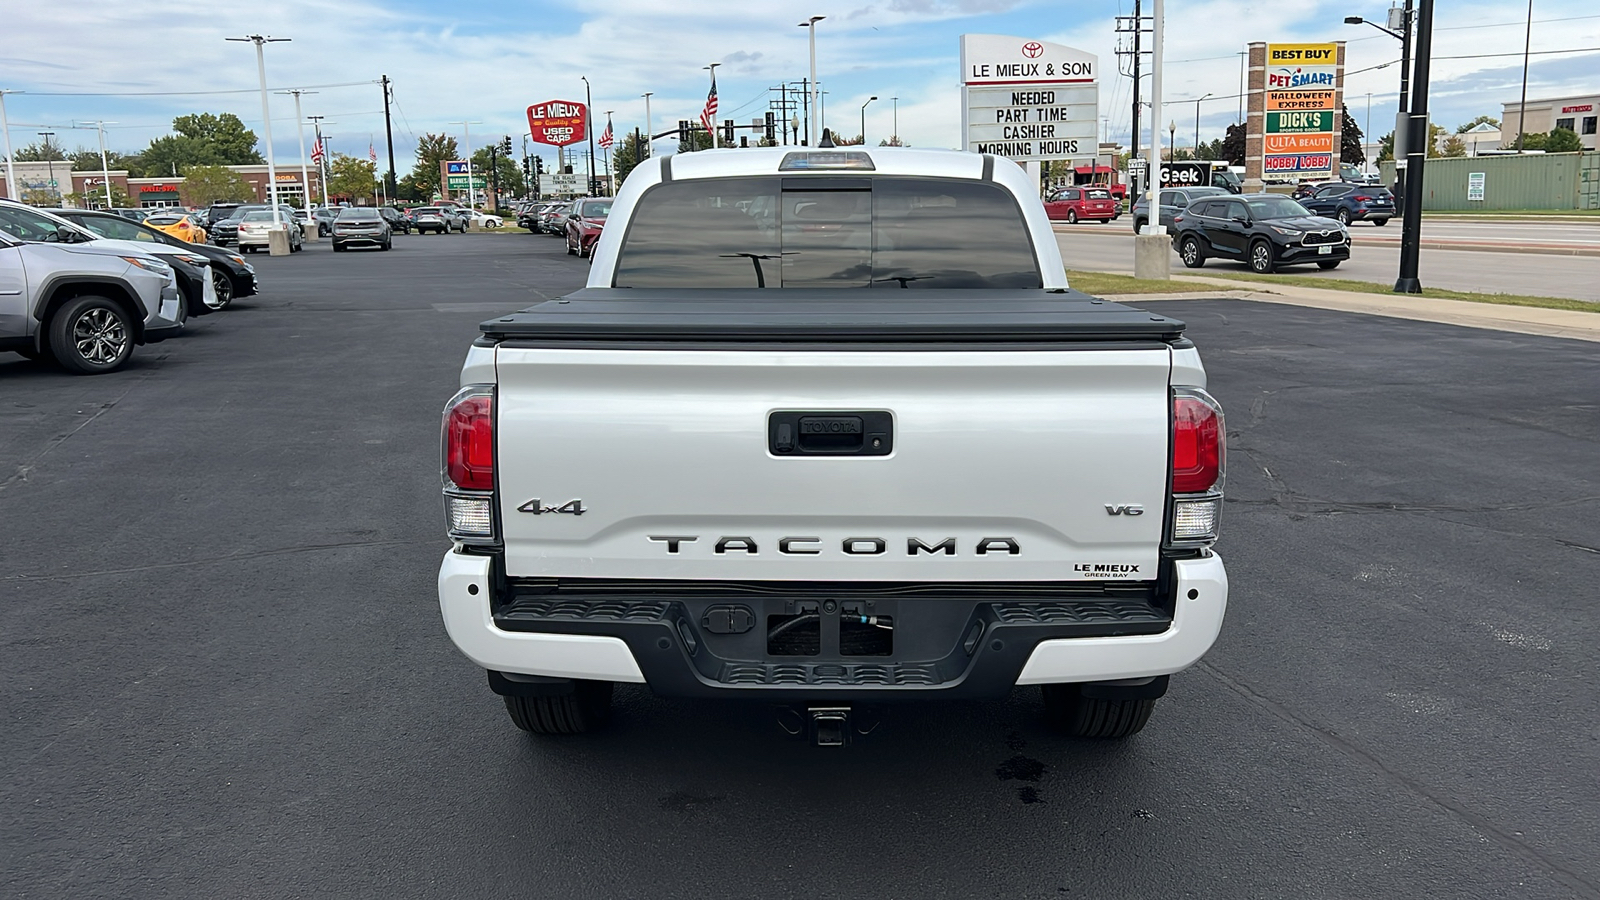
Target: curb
<point>1541,249</point>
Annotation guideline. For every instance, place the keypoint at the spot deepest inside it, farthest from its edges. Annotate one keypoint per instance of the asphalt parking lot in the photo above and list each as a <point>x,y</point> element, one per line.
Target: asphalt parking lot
<point>225,673</point>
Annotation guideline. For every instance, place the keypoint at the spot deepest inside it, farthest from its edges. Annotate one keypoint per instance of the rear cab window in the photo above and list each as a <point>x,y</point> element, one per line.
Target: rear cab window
<point>827,232</point>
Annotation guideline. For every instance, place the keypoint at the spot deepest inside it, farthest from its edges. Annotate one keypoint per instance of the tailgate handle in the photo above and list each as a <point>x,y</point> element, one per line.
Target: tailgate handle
<point>830,433</point>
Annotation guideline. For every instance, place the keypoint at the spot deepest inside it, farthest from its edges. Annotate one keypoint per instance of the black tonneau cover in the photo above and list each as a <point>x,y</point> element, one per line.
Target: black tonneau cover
<point>829,316</point>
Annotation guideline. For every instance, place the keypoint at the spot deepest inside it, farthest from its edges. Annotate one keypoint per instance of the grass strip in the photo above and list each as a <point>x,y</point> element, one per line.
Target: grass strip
<point>1105,283</point>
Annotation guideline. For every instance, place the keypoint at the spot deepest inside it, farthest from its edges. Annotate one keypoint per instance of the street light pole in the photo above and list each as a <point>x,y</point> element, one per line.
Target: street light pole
<point>471,188</point>
<point>864,120</point>
<point>1416,155</point>
<point>895,139</point>
<point>105,166</point>
<point>1522,111</point>
<point>814,125</point>
<point>1197,127</point>
<point>300,132</point>
<point>649,141</point>
<point>588,126</point>
<point>266,125</point>
<point>5,127</point>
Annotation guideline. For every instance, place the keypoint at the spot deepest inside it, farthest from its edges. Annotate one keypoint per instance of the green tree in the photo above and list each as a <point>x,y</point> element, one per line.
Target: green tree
<point>1232,148</point>
<point>1452,147</point>
<point>224,135</point>
<point>432,150</point>
<point>205,185</point>
<point>1350,140</point>
<point>350,177</point>
<point>40,151</point>
<point>94,197</point>
<point>893,141</point>
<point>1468,126</point>
<point>1563,140</point>
<point>1386,147</point>
<point>176,152</point>
<point>629,153</point>
<point>1436,135</point>
<point>508,168</point>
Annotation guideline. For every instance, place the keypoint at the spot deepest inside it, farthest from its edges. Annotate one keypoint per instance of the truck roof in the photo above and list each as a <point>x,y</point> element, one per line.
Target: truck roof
<point>744,161</point>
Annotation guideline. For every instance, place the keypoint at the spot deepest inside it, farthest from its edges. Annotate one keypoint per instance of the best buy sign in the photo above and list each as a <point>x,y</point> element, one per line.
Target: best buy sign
<point>1299,122</point>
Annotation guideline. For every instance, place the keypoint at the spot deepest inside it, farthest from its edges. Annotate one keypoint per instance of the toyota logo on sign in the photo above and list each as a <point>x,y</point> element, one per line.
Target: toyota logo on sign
<point>1032,49</point>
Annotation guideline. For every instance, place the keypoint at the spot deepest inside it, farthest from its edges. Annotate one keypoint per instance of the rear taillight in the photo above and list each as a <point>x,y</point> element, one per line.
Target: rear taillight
<point>1363,198</point>
<point>467,464</point>
<point>1199,460</point>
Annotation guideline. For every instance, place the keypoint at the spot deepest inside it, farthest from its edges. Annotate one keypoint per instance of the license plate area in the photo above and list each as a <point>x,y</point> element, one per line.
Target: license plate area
<point>1325,250</point>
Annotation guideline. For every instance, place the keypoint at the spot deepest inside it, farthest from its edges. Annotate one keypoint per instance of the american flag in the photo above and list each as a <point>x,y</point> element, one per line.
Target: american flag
<point>316,152</point>
<point>708,116</point>
<point>372,153</point>
<point>605,136</point>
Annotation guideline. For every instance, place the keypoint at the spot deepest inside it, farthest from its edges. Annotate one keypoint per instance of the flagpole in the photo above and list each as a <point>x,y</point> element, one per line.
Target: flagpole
<point>709,115</point>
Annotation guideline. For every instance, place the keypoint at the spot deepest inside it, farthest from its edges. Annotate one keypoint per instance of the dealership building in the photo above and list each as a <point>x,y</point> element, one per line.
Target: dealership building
<point>56,184</point>
<point>1580,114</point>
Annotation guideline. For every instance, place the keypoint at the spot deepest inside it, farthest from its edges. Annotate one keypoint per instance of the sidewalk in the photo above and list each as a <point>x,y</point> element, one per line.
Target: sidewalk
<point>1583,326</point>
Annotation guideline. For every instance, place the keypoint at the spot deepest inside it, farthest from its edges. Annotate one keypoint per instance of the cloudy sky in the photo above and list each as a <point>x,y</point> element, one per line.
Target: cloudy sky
<point>139,63</point>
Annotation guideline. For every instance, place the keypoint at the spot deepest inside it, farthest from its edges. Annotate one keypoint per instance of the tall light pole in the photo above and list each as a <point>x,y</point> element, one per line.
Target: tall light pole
<point>266,123</point>
<point>815,123</point>
<point>1416,154</point>
<point>472,189</point>
<point>1197,126</point>
<point>1243,54</point>
<point>50,160</point>
<point>105,165</point>
<point>649,142</point>
<point>712,123</point>
<point>1404,37</point>
<point>588,126</point>
<point>895,139</point>
<point>5,126</point>
<point>864,120</point>
<point>300,130</point>
<point>1158,40</point>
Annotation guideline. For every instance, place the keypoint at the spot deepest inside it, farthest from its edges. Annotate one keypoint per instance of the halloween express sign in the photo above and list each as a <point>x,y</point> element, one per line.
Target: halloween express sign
<point>1302,98</point>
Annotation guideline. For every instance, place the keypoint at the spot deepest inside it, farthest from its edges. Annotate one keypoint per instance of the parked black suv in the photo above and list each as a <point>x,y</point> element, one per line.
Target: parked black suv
<point>1263,230</point>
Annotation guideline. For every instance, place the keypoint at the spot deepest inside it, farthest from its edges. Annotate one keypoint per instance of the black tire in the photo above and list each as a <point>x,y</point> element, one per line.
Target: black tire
<point>1138,225</point>
<point>1380,222</point>
<point>194,305</point>
<point>1261,258</point>
<point>91,335</point>
<point>388,245</point>
<point>1091,717</point>
<point>585,709</point>
<point>1343,216</point>
<point>1072,217</point>
<point>570,250</point>
<point>338,249</point>
<point>1328,263</point>
<point>224,288</point>
<point>1189,251</point>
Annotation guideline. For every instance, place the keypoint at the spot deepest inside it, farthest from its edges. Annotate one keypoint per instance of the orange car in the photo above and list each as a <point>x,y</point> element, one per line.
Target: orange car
<point>179,225</point>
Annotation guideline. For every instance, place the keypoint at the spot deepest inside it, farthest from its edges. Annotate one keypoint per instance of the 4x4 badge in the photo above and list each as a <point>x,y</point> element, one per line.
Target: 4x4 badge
<point>574,507</point>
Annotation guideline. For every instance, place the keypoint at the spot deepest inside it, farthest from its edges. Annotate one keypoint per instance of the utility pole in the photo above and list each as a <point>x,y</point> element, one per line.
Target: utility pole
<point>5,126</point>
<point>1135,25</point>
<point>1416,155</point>
<point>814,125</point>
<point>895,140</point>
<point>1522,111</point>
<point>300,131</point>
<point>388,133</point>
<point>322,158</point>
<point>50,161</point>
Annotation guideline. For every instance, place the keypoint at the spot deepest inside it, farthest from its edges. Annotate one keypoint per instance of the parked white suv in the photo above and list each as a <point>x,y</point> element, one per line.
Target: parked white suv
<point>829,428</point>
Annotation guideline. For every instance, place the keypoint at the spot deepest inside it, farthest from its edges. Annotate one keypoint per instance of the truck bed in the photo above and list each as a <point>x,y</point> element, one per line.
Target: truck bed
<point>831,316</point>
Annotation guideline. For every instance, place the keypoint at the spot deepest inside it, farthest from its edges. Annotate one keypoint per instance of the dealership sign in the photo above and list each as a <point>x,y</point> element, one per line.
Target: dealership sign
<point>1301,89</point>
<point>558,122</point>
<point>1028,100</point>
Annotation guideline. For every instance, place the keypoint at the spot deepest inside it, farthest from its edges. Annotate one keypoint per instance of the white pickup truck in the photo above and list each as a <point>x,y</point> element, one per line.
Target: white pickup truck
<point>828,428</point>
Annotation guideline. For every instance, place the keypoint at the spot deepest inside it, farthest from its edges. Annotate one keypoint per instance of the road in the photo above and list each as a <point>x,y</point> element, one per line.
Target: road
<point>226,675</point>
<point>1109,248</point>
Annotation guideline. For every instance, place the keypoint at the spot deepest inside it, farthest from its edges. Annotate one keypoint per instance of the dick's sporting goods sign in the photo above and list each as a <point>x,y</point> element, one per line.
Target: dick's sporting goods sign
<point>1028,100</point>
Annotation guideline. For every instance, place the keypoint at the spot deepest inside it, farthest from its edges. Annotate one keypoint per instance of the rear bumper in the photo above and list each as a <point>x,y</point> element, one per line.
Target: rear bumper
<point>656,643</point>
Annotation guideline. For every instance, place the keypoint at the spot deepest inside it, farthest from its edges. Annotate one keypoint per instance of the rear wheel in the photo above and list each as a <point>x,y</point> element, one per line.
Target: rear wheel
<point>91,335</point>
<point>585,709</point>
<point>1189,250</point>
<point>1138,226</point>
<point>1343,216</point>
<point>1261,261</point>
<point>1092,717</point>
<point>1072,217</point>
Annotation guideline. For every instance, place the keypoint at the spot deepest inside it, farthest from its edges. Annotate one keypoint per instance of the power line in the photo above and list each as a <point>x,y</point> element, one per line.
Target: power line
<point>186,93</point>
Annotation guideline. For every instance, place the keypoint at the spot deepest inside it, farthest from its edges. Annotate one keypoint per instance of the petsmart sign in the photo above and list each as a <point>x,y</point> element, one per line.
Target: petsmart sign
<point>1029,100</point>
<point>1302,97</point>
